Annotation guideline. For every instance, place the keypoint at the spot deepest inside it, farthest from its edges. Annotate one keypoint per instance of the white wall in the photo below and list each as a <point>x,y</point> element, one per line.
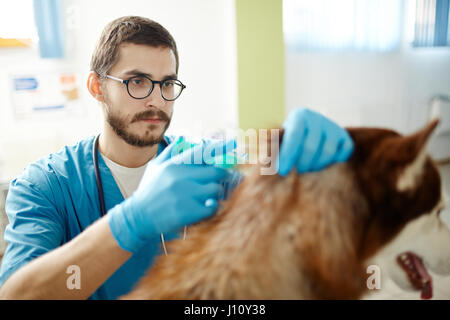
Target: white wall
<point>205,35</point>
<point>368,88</point>
<point>351,88</point>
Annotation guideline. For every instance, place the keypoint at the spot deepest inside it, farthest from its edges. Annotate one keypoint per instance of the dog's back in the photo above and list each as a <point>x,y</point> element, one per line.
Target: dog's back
<point>302,237</point>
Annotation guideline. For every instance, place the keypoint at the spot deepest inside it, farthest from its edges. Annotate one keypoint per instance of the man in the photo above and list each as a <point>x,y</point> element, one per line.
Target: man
<point>54,207</point>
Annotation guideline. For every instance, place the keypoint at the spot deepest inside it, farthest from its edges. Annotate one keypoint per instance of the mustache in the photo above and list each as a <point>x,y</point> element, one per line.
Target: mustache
<point>150,114</point>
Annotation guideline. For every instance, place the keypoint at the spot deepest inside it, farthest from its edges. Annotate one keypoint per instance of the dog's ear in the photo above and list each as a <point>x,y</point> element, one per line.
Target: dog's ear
<point>411,155</point>
<point>384,159</point>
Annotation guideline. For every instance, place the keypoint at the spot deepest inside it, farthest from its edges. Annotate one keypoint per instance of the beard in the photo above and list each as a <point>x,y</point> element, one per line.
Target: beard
<point>120,127</point>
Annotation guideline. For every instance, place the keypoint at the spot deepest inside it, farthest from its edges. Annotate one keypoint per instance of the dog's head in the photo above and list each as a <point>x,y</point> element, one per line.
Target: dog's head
<point>349,211</point>
<point>397,177</point>
<point>403,189</point>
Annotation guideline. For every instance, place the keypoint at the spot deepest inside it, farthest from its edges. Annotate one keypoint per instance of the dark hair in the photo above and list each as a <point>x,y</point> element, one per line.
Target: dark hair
<point>128,29</point>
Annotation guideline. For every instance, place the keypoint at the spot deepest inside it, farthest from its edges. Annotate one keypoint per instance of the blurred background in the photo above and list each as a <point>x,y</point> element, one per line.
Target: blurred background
<point>246,64</point>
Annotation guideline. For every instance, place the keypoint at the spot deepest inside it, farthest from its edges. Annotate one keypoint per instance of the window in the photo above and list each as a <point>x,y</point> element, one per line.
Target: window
<point>17,27</point>
<point>25,22</point>
<point>431,28</point>
<point>329,25</point>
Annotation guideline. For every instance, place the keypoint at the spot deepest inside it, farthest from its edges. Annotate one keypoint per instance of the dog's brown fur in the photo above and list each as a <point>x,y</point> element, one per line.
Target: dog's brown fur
<point>303,236</point>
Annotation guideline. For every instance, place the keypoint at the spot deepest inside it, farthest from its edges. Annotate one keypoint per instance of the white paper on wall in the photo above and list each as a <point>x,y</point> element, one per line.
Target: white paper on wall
<point>45,95</point>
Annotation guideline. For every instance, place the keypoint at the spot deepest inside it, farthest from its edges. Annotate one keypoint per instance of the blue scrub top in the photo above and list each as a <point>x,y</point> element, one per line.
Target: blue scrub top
<point>55,199</point>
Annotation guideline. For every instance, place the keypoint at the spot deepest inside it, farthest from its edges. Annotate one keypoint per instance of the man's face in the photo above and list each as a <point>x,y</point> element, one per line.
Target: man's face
<point>139,122</point>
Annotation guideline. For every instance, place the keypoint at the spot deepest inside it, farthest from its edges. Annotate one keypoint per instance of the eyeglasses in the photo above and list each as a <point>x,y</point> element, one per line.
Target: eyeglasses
<point>141,86</point>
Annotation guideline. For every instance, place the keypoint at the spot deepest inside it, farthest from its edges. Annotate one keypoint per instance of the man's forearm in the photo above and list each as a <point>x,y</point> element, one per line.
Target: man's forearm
<point>94,254</point>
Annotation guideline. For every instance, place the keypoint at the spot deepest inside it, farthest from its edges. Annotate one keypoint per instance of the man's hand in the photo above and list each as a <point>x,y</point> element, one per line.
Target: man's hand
<point>171,194</point>
<point>312,142</point>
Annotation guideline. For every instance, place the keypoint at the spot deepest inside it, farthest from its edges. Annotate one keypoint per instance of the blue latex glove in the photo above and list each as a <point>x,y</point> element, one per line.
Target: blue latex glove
<point>171,194</point>
<point>312,142</point>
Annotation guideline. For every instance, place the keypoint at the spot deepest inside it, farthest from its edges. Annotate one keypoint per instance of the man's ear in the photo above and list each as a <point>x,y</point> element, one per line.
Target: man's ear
<point>94,86</point>
<point>413,149</point>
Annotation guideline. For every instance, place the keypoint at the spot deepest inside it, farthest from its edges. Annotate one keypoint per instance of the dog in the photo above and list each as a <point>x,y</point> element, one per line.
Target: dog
<point>308,236</point>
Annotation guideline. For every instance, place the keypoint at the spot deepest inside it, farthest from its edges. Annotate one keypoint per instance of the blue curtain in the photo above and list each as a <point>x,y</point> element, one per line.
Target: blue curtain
<point>442,13</point>
<point>432,23</point>
<point>49,22</point>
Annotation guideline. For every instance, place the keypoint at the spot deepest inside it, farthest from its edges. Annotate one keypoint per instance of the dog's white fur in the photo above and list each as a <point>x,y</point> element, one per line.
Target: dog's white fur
<point>428,236</point>
<point>412,173</point>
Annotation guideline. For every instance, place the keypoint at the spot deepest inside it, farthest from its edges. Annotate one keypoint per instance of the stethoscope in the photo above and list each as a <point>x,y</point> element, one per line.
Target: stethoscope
<point>98,178</point>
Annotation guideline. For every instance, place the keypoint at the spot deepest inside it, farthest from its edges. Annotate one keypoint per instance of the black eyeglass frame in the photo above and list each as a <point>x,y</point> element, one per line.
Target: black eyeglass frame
<point>127,81</point>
